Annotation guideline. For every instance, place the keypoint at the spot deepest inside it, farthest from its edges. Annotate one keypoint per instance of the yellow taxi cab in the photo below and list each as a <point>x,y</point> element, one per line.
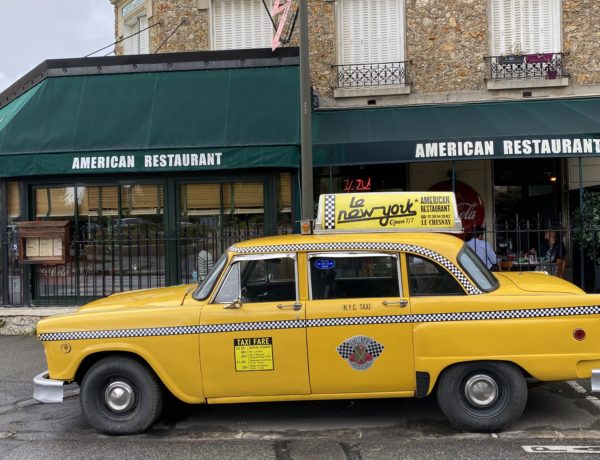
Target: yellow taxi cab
<point>347,311</point>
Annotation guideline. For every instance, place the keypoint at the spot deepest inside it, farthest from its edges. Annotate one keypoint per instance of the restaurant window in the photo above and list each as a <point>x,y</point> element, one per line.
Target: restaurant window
<point>212,217</point>
<point>363,178</point>
<point>284,203</point>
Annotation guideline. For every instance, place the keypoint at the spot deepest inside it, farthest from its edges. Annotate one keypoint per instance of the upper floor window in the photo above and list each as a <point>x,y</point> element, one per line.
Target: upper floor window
<point>240,24</point>
<point>370,43</point>
<point>371,31</point>
<point>135,26</point>
<point>524,27</point>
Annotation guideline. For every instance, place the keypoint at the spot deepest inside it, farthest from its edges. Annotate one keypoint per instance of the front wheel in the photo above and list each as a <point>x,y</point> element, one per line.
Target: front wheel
<point>120,395</point>
<point>482,396</point>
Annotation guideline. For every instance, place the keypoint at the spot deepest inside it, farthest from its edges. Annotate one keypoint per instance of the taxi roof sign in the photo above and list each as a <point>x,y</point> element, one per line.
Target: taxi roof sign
<point>392,211</point>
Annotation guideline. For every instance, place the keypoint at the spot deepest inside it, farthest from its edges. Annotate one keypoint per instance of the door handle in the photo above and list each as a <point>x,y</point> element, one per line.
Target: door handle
<point>296,306</point>
<point>402,302</point>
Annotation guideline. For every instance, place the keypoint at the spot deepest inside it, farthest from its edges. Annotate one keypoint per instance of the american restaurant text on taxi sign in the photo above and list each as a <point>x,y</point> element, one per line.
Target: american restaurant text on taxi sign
<point>395,211</point>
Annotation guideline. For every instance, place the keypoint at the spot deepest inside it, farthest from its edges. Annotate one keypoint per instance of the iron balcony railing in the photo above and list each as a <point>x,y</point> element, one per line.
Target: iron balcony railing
<point>549,66</point>
<point>373,74</point>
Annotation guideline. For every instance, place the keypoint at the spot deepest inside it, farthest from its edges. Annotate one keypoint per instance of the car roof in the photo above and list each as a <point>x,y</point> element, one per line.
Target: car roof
<point>447,245</point>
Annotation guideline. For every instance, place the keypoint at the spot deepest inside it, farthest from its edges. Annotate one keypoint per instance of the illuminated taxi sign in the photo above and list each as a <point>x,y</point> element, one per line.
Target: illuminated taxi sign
<point>395,211</point>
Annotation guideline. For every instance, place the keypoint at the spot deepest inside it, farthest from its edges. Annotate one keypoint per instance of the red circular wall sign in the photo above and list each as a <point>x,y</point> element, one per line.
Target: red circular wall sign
<point>470,205</point>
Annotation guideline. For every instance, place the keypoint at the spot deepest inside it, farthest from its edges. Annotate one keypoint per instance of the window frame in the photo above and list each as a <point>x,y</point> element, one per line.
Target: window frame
<point>351,254</point>
<point>555,37</point>
<point>253,257</point>
<point>214,32</point>
<point>339,20</point>
<point>437,264</point>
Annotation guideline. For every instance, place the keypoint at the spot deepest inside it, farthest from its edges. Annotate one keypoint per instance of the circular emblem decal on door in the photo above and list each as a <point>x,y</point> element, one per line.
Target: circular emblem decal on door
<point>360,351</point>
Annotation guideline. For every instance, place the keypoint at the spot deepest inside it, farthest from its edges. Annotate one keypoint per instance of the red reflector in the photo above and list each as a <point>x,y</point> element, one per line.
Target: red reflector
<point>579,334</point>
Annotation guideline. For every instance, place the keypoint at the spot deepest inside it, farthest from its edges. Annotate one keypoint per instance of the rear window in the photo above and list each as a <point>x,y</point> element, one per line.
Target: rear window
<point>476,269</point>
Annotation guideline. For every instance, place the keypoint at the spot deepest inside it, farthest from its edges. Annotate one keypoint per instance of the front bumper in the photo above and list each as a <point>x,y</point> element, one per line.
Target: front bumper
<point>47,390</point>
<point>595,380</point>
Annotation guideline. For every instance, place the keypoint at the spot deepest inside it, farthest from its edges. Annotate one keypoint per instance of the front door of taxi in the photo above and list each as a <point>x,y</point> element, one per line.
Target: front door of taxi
<point>358,324</point>
<point>254,338</point>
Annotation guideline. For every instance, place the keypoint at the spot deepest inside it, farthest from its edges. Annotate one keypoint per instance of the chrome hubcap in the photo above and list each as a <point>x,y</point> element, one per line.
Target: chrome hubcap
<point>481,390</point>
<point>119,396</point>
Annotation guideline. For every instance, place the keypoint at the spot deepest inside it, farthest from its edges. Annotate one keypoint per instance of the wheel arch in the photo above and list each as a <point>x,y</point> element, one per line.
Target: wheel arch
<point>435,377</point>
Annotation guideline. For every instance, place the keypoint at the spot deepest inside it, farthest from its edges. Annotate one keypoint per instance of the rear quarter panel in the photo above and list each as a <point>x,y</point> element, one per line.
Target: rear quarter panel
<point>543,345</point>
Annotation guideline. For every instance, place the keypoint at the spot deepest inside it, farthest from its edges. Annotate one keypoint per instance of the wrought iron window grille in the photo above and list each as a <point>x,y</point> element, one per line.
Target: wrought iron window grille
<point>548,66</point>
<point>372,74</point>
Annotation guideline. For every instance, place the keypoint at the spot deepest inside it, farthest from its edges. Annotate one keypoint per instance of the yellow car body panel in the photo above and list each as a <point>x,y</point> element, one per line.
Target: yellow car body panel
<point>198,348</point>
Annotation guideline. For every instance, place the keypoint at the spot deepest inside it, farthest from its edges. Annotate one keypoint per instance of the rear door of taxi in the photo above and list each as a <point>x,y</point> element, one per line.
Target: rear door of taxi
<point>359,333</point>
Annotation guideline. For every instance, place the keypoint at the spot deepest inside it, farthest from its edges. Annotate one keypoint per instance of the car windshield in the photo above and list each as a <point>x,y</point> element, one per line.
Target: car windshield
<point>206,286</point>
<point>476,269</point>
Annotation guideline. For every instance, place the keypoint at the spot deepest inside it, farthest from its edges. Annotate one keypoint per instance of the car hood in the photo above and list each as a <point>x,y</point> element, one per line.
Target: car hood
<point>534,282</point>
<point>161,297</point>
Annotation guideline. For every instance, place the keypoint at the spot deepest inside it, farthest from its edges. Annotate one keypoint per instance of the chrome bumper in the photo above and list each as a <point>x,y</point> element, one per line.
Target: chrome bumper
<point>47,390</point>
<point>595,380</point>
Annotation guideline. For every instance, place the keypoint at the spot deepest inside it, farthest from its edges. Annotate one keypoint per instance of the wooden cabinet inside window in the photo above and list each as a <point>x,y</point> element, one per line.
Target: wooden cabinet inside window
<point>44,242</point>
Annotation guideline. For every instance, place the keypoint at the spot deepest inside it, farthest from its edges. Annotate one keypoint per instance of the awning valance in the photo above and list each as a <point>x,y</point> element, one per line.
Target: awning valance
<point>520,129</point>
<point>164,121</point>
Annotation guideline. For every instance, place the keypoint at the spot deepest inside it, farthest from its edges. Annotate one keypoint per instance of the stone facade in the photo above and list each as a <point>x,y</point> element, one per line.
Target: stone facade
<point>446,42</point>
<point>188,24</point>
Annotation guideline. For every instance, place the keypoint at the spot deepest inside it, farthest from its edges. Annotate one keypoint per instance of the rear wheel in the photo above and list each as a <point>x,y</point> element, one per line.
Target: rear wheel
<point>482,396</point>
<point>120,395</point>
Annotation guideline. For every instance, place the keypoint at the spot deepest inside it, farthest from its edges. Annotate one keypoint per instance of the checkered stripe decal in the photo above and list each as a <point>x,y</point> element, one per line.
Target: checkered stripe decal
<point>178,330</point>
<point>119,333</point>
<point>462,279</point>
<point>329,217</point>
<point>325,322</point>
<point>359,320</point>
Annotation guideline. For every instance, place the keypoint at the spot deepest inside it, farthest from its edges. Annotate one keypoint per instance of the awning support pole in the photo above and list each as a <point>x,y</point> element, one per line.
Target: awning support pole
<point>581,223</point>
<point>306,160</point>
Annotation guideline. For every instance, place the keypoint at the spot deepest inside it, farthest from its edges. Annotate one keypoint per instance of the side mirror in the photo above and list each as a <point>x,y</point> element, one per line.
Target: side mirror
<point>235,305</point>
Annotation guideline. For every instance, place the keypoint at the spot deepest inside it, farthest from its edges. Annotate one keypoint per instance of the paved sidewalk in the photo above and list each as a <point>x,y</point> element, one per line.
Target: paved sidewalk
<point>21,359</point>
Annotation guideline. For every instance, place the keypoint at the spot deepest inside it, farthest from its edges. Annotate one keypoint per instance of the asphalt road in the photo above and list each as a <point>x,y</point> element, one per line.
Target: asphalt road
<point>560,421</point>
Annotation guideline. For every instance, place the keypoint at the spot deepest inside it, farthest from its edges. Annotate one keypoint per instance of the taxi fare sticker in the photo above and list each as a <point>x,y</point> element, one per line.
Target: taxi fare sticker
<point>253,354</point>
<point>360,351</point>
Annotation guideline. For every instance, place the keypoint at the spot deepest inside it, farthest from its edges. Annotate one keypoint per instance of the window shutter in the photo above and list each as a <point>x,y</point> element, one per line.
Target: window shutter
<point>239,24</point>
<point>372,31</point>
<point>144,36</point>
<point>531,26</point>
<point>136,39</point>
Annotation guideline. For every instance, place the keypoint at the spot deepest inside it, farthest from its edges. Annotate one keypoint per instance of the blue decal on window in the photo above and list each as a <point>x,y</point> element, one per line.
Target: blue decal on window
<point>324,264</point>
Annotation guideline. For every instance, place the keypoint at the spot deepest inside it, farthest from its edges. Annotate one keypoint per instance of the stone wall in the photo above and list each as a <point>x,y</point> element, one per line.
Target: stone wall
<point>446,42</point>
<point>581,36</point>
<point>192,35</point>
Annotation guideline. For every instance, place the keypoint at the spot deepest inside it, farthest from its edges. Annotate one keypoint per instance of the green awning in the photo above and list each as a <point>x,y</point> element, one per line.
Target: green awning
<point>163,121</point>
<point>495,130</point>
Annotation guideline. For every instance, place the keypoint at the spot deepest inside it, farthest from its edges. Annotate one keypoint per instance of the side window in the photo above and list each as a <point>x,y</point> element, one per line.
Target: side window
<point>259,279</point>
<point>427,278</point>
<point>352,276</point>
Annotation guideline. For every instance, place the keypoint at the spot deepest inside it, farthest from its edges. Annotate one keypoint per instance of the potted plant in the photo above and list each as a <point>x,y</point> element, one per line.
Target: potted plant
<point>551,71</point>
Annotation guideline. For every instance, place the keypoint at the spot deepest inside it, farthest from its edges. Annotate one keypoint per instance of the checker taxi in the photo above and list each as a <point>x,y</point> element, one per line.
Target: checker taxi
<point>339,313</point>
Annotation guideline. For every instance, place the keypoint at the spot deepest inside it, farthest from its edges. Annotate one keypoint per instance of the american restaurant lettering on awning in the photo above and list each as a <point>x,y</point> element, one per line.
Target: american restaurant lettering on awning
<point>508,147</point>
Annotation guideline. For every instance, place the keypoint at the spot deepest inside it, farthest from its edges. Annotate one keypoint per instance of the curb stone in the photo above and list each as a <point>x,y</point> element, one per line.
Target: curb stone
<point>23,321</point>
